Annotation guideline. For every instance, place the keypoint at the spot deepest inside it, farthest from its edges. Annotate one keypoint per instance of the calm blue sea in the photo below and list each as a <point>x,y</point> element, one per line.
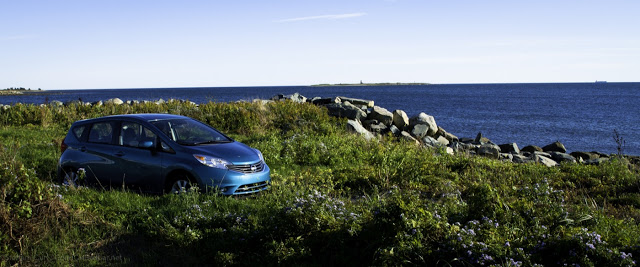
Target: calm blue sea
<point>583,116</point>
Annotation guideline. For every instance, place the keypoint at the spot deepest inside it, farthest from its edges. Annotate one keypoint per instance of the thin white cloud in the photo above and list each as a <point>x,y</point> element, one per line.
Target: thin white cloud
<point>17,37</point>
<point>325,17</point>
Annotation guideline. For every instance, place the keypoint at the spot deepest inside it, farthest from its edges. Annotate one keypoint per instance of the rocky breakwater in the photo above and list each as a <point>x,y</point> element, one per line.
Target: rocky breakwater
<point>112,101</point>
<point>372,122</point>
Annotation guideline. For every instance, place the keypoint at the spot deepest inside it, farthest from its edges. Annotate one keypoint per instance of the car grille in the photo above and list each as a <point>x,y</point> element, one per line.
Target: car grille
<point>251,188</point>
<point>249,168</point>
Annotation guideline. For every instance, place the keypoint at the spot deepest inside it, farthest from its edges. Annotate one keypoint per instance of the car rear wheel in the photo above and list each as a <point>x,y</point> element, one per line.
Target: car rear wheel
<point>71,177</point>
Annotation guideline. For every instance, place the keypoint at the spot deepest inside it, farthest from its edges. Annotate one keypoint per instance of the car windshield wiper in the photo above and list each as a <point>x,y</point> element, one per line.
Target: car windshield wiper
<point>204,142</point>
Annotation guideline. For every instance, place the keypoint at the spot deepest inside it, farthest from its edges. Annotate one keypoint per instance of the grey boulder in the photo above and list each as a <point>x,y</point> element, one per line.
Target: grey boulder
<point>489,150</point>
<point>420,130</point>
<point>545,161</point>
<point>480,139</point>
<point>510,148</point>
<point>114,101</point>
<point>346,110</point>
<point>531,149</point>
<point>381,114</point>
<point>394,130</point>
<point>447,135</point>
<point>356,127</point>
<point>375,126</point>
<point>356,101</point>
<point>325,101</point>
<point>430,141</point>
<point>407,136</point>
<point>555,146</point>
<point>424,119</point>
<point>400,119</point>
<point>56,103</point>
<point>295,97</point>
<point>562,157</point>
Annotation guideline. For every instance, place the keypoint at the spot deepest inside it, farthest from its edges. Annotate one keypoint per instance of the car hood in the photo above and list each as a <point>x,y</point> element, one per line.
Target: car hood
<point>234,152</point>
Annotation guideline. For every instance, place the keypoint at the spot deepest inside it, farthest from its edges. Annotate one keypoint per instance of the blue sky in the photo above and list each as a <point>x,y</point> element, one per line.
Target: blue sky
<point>138,43</point>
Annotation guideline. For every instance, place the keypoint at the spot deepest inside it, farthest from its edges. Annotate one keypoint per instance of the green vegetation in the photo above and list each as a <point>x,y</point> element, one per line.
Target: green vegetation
<point>336,200</point>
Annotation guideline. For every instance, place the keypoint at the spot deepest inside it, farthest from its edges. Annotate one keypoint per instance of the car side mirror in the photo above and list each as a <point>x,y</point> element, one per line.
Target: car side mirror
<point>145,144</point>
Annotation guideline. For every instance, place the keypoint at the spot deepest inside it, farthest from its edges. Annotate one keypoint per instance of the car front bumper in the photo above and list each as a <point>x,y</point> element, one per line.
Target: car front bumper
<point>229,182</point>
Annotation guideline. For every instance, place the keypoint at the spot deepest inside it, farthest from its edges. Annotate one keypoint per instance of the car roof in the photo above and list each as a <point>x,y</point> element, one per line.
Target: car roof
<point>141,116</point>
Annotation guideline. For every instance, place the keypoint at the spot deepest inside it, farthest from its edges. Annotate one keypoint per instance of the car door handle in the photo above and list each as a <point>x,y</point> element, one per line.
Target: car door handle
<point>119,154</point>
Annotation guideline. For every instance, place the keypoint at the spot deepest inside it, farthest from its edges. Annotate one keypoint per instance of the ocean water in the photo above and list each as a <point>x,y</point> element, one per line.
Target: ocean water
<point>583,116</point>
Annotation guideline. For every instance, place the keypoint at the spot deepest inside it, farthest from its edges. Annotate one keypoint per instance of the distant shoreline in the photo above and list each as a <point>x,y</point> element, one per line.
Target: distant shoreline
<point>20,91</point>
<point>10,92</point>
<point>366,84</point>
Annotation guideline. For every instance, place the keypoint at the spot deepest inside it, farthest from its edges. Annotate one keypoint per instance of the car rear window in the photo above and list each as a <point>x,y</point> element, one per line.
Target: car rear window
<point>101,132</point>
<point>78,130</point>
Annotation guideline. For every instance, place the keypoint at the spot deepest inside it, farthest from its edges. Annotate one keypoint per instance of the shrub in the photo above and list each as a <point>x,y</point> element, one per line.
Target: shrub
<point>30,210</point>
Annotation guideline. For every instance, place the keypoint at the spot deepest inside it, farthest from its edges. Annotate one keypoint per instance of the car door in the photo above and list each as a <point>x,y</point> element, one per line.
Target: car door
<point>98,152</point>
<point>138,162</point>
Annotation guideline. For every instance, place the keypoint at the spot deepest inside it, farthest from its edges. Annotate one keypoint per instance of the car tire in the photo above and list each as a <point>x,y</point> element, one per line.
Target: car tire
<point>70,177</point>
<point>180,184</point>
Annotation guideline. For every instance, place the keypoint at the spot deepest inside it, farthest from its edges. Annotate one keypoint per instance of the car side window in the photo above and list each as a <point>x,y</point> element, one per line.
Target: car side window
<point>101,132</point>
<point>135,135</point>
<point>78,130</point>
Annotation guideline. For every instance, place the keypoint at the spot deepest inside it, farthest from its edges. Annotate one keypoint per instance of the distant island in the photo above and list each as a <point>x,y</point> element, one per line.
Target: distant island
<point>369,84</point>
<point>16,91</point>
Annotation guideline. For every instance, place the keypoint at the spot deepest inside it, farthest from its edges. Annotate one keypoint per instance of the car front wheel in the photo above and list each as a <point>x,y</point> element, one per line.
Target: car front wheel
<point>181,184</point>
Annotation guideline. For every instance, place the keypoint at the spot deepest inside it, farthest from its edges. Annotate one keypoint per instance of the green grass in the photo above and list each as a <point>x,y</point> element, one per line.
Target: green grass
<point>336,200</point>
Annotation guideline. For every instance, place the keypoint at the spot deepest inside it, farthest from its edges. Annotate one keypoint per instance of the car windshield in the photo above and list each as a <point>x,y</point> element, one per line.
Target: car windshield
<point>190,132</point>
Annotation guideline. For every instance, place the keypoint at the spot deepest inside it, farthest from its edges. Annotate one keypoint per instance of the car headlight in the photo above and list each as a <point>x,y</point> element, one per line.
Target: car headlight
<point>212,162</point>
<point>259,154</point>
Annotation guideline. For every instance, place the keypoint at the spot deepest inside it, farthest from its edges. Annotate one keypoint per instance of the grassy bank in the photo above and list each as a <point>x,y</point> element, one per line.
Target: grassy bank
<point>336,199</point>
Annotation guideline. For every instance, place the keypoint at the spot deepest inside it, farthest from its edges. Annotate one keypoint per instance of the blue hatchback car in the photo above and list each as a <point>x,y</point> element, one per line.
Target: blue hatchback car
<point>159,153</point>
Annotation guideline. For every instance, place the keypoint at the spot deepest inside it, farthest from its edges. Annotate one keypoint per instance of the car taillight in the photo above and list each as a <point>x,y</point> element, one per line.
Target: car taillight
<point>63,146</point>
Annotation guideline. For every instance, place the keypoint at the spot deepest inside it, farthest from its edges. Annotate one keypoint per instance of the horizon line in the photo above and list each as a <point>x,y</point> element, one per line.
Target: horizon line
<point>329,84</point>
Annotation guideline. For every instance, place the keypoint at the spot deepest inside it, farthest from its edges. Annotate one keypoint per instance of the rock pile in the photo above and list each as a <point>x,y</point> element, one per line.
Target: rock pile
<point>371,121</point>
<point>112,101</point>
